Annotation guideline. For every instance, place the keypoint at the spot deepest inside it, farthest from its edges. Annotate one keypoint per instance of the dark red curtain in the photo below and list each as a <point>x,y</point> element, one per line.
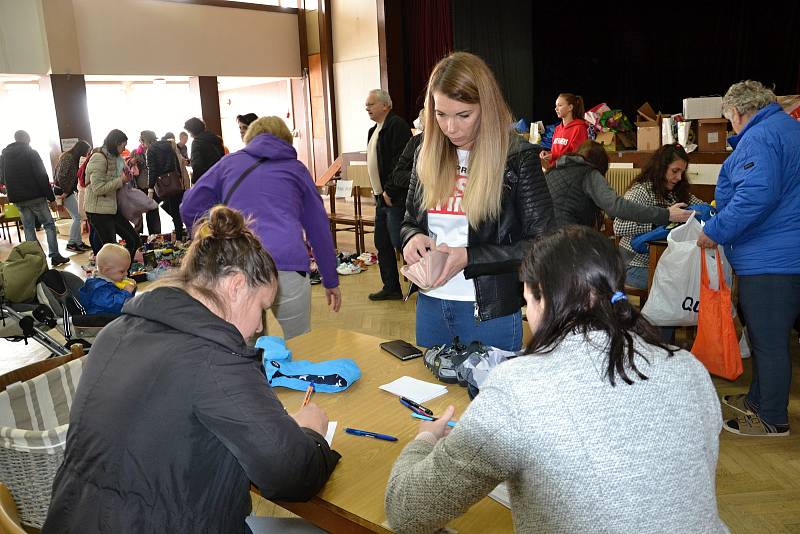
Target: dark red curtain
<point>428,37</point>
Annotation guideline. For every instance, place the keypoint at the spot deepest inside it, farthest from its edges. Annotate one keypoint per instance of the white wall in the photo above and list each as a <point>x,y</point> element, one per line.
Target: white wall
<point>356,69</point>
<point>23,45</point>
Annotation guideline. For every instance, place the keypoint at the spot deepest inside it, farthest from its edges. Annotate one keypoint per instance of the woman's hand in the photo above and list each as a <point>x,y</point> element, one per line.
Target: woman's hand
<point>456,262</point>
<point>544,155</point>
<point>439,427</point>
<point>416,247</point>
<point>311,416</point>
<point>678,214</point>
<point>703,241</point>
<point>334,296</point>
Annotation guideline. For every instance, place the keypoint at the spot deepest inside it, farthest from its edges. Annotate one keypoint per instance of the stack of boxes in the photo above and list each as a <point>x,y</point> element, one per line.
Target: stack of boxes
<point>712,129</point>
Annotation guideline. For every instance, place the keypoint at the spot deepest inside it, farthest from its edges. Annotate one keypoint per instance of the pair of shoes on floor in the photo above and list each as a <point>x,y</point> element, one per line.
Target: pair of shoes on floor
<point>57,260</point>
<point>384,294</point>
<point>747,422</point>
<point>368,258</point>
<point>348,268</point>
<point>315,278</point>
<point>78,247</point>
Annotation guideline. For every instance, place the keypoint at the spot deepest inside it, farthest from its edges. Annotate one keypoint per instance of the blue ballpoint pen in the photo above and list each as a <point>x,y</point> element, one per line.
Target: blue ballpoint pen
<point>368,434</point>
<point>426,418</point>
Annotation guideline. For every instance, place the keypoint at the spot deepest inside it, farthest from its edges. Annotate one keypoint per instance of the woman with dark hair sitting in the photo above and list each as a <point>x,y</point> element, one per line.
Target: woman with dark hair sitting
<point>600,427</point>
<point>662,183</point>
<point>104,175</point>
<point>581,193</point>
<point>173,418</point>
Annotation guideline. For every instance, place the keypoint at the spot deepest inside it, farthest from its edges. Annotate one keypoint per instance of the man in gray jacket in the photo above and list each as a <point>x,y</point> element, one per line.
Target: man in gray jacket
<point>28,187</point>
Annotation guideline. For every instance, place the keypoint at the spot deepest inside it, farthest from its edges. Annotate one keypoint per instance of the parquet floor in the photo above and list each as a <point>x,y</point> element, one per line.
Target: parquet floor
<point>758,479</point>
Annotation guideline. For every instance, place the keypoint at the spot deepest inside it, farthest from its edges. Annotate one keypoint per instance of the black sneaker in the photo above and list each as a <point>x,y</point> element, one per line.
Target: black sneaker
<point>72,247</point>
<point>383,294</point>
<point>315,278</point>
<point>58,259</point>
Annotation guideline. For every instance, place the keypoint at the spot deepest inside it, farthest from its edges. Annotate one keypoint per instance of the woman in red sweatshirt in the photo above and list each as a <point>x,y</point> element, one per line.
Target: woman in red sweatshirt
<point>570,133</point>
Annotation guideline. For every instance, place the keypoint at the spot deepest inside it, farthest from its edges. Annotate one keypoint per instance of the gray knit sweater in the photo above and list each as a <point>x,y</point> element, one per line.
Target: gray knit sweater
<point>579,455</point>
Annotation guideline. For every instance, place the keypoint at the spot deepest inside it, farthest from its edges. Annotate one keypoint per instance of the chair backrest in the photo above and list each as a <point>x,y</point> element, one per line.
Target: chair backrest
<point>9,518</point>
<point>359,193</point>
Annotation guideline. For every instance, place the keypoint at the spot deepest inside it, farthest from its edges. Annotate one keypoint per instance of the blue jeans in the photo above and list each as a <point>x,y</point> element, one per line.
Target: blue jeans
<point>29,211</point>
<point>770,305</point>
<point>439,321</point>
<point>71,204</point>
<point>636,277</point>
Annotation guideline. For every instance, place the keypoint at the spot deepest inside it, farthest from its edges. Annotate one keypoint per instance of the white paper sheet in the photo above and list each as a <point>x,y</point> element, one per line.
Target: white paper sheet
<point>417,390</point>
<point>331,431</point>
<point>500,494</point>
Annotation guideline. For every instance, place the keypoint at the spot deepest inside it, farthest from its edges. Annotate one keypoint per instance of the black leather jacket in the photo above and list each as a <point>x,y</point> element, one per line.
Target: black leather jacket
<point>496,248</point>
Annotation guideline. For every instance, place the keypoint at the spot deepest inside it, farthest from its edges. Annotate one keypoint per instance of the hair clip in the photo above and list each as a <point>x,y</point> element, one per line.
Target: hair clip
<point>618,296</point>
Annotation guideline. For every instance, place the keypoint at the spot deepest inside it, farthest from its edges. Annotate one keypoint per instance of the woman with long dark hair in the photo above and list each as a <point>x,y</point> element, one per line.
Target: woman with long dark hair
<point>600,427</point>
<point>662,183</point>
<point>104,175</point>
<point>66,177</point>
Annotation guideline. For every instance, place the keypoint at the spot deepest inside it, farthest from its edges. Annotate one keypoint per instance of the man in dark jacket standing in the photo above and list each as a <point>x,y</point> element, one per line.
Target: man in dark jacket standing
<point>207,148</point>
<point>385,143</point>
<point>28,187</point>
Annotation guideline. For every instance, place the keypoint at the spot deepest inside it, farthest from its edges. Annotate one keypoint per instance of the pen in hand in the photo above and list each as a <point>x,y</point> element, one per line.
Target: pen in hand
<point>309,392</point>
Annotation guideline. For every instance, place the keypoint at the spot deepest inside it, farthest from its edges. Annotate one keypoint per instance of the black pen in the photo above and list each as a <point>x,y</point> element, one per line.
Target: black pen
<point>417,406</point>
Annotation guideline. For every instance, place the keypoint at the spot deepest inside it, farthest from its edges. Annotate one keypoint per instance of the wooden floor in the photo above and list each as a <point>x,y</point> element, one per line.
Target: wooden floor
<point>758,479</point>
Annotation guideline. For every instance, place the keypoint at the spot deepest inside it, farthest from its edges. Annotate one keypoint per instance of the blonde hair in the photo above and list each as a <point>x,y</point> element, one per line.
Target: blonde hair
<point>466,78</point>
<point>111,252</point>
<point>271,125</point>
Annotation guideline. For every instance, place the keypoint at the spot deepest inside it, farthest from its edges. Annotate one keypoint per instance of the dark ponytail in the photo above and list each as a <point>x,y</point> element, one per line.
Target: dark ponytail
<point>586,296</point>
<point>576,101</point>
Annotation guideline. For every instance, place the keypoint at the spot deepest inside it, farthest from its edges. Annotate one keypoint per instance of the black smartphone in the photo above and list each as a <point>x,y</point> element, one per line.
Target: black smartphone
<point>400,349</point>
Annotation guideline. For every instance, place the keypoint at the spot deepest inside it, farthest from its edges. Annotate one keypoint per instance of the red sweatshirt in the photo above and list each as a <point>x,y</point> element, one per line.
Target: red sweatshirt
<point>568,138</point>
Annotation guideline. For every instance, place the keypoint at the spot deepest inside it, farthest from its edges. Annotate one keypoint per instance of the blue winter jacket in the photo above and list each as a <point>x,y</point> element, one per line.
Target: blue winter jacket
<point>758,196</point>
<point>101,296</point>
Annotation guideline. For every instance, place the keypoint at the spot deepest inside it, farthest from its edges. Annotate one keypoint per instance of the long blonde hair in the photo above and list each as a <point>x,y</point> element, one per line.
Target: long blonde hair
<point>466,78</point>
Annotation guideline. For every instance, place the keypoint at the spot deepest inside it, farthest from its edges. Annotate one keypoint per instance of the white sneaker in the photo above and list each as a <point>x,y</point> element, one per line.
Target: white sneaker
<point>348,268</point>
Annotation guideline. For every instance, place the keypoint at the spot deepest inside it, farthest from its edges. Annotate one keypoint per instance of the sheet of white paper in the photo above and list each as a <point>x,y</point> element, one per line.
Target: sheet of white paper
<point>416,390</point>
<point>331,431</point>
<point>500,494</point>
<point>344,188</point>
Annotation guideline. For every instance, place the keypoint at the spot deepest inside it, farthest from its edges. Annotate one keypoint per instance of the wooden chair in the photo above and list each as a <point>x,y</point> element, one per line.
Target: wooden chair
<point>343,222</point>
<point>363,220</point>
<point>6,221</point>
<point>9,518</point>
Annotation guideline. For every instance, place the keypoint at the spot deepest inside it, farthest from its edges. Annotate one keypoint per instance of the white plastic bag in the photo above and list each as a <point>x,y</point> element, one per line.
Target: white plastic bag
<point>674,298</point>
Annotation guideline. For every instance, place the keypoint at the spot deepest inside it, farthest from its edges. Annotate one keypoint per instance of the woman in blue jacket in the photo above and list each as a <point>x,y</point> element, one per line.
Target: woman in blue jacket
<point>758,222</point>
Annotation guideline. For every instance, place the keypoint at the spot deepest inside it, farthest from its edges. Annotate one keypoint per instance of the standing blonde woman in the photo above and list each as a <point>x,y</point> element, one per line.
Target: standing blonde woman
<point>478,193</point>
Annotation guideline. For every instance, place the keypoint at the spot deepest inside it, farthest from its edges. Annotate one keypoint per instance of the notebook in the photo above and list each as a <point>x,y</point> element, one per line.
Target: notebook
<point>417,390</point>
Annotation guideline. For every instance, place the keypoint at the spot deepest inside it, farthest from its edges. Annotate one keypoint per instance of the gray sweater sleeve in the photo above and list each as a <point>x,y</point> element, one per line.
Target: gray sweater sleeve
<point>604,196</point>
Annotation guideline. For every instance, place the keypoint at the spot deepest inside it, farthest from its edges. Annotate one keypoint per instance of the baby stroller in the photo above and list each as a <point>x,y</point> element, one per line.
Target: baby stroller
<point>58,291</point>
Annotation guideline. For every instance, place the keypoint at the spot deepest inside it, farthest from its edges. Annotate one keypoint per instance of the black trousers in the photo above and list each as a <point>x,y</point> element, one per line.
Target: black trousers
<point>109,226</point>
<point>387,260</point>
<point>172,205</point>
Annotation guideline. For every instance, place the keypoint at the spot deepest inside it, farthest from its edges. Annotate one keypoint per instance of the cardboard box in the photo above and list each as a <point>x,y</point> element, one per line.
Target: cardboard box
<point>648,128</point>
<point>712,135</point>
<point>707,107</point>
<point>615,141</point>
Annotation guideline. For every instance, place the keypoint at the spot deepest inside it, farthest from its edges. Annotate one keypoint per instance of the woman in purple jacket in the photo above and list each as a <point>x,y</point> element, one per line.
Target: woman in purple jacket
<point>266,182</point>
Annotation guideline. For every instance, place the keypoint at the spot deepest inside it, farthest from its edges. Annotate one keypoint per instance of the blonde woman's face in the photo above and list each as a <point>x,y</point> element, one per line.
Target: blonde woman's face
<point>458,121</point>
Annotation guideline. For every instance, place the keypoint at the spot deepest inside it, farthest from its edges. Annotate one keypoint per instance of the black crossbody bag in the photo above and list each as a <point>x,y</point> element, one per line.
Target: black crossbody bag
<point>239,180</point>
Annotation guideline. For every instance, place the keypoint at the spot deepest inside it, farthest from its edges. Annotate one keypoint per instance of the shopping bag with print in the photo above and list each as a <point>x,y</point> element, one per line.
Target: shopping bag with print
<point>673,299</point>
<point>716,344</point>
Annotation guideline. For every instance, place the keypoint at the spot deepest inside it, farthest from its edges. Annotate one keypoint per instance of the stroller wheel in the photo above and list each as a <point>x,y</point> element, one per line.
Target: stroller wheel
<point>44,315</point>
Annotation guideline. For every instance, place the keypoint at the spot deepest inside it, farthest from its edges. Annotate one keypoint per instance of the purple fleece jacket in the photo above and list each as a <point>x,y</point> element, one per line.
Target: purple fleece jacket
<point>279,195</point>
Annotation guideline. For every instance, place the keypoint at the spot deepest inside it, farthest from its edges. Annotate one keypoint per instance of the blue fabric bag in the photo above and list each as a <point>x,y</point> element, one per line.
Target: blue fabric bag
<point>639,242</point>
<point>328,377</point>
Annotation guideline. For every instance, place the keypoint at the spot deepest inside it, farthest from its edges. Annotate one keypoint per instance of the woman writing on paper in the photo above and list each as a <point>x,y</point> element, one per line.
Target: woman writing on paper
<point>600,427</point>
<point>477,192</point>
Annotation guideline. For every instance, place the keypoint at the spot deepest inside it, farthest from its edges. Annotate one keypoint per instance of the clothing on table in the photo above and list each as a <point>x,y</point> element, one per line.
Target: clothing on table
<point>496,248</point>
<point>181,457</point>
<point>642,193</point>
<point>207,149</point>
<point>101,295</point>
<point>385,143</point>
<point>581,194</point>
<point>280,196</point>
<point>578,454</point>
<point>567,138</point>
<point>34,210</point>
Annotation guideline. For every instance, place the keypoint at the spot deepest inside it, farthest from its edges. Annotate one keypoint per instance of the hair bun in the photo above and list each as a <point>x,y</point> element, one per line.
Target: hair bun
<point>226,223</point>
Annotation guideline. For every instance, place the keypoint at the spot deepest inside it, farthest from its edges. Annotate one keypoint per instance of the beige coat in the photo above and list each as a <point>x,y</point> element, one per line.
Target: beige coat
<point>101,193</point>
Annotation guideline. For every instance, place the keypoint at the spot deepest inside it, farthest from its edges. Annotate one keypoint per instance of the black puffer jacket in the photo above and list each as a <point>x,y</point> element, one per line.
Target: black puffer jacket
<point>172,420</point>
<point>161,159</point>
<point>496,248</point>
<point>207,149</point>
<point>22,172</point>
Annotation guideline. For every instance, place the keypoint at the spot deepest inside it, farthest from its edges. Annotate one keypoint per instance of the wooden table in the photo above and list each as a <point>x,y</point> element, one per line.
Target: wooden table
<point>352,500</point>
